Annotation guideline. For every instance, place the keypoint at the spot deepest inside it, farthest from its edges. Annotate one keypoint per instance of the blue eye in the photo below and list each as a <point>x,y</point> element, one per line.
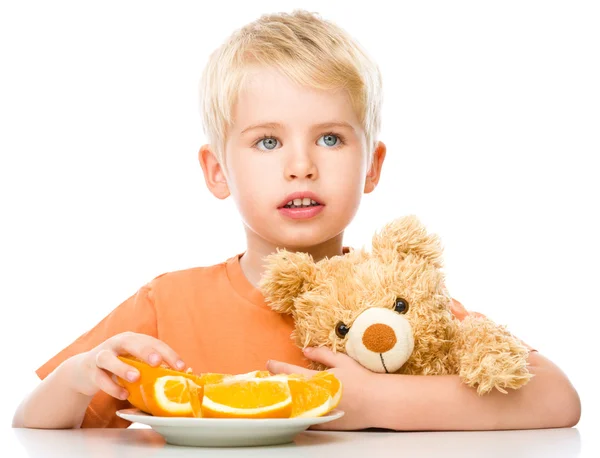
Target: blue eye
<point>330,140</point>
<point>269,143</point>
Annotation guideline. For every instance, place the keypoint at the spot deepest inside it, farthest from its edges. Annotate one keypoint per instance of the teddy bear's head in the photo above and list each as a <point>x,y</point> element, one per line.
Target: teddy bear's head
<point>387,308</point>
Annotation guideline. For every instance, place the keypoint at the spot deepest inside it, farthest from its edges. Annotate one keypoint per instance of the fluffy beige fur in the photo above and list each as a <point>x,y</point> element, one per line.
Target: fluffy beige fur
<point>405,262</point>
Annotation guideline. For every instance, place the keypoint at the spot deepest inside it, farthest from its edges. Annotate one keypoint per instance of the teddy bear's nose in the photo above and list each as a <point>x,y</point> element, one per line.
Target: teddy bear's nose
<point>379,338</point>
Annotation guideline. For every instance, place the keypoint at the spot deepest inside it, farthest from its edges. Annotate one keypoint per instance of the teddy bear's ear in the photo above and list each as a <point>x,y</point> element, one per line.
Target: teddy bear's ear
<point>405,236</point>
<point>287,275</point>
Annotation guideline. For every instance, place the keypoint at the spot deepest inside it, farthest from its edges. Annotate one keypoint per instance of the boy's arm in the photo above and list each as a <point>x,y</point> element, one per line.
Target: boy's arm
<point>62,399</point>
<point>444,403</point>
<point>409,402</point>
<point>76,388</point>
<point>54,403</point>
<point>426,403</point>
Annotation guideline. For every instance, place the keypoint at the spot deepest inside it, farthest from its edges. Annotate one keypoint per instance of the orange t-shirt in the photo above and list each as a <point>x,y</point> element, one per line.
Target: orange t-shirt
<point>213,317</point>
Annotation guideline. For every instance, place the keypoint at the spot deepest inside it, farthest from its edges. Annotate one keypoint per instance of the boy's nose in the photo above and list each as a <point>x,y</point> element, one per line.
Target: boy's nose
<point>308,176</point>
<point>301,167</point>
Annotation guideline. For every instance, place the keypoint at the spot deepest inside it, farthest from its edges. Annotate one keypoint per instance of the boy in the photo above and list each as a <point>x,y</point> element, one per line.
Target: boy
<point>291,107</point>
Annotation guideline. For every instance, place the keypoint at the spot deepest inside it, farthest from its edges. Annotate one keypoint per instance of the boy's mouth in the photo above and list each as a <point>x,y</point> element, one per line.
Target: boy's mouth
<point>303,199</point>
<point>301,205</point>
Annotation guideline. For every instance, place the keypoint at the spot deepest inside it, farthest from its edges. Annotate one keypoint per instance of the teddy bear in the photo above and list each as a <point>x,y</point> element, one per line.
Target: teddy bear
<point>389,309</point>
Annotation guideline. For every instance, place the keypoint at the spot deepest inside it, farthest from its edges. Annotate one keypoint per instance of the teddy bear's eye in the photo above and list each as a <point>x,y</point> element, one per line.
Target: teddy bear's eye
<point>341,330</point>
<point>401,306</point>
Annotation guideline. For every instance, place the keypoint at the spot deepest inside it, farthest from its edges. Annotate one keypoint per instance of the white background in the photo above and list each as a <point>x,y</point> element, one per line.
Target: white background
<point>491,119</point>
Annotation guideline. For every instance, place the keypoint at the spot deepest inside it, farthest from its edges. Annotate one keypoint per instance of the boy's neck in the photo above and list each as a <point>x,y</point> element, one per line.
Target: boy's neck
<point>252,262</point>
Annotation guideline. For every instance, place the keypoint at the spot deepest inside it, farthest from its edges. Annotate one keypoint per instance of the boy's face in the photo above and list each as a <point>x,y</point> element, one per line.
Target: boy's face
<point>288,139</point>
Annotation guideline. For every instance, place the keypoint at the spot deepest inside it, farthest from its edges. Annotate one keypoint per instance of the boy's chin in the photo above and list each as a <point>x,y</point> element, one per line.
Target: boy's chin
<point>295,235</point>
<point>303,240</point>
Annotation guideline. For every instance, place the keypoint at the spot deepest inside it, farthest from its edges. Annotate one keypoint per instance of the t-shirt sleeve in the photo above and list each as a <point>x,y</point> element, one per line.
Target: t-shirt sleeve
<point>460,312</point>
<point>136,314</point>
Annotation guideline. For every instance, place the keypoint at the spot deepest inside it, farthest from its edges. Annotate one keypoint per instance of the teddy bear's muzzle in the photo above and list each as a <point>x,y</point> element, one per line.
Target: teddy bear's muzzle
<point>380,339</point>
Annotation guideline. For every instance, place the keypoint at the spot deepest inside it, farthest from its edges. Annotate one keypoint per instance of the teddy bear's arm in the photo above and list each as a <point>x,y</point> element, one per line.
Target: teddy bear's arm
<point>489,357</point>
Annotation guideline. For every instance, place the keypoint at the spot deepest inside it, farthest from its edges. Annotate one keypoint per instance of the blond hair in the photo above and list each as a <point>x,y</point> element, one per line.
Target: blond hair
<point>304,47</point>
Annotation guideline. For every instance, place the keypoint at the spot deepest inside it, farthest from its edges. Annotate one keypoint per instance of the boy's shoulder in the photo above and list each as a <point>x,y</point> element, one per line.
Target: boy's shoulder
<point>200,279</point>
<point>198,273</point>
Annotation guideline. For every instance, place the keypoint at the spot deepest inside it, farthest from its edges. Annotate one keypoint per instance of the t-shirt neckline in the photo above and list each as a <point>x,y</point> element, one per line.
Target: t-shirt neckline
<point>241,284</point>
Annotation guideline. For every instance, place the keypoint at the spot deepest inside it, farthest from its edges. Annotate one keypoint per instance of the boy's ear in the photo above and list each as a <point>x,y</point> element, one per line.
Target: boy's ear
<point>405,236</point>
<point>213,172</point>
<point>287,276</point>
<point>374,173</point>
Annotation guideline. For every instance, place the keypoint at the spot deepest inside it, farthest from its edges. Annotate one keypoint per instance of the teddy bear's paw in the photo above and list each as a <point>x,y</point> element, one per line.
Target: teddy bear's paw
<point>490,357</point>
<point>500,371</point>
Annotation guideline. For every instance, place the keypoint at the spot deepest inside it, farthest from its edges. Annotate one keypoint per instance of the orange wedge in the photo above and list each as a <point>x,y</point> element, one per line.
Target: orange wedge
<point>172,396</point>
<point>247,398</point>
<point>260,374</point>
<point>213,377</point>
<point>330,382</point>
<point>210,377</point>
<point>308,399</point>
<point>148,374</point>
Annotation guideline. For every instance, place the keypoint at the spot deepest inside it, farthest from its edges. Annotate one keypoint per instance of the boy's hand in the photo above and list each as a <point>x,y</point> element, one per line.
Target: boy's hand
<point>356,381</point>
<point>93,371</point>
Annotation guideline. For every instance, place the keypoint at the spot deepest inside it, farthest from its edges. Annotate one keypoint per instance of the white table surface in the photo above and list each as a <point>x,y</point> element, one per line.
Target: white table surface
<point>136,442</point>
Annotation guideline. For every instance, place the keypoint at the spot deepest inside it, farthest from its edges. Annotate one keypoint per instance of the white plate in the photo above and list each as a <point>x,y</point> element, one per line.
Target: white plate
<point>226,432</point>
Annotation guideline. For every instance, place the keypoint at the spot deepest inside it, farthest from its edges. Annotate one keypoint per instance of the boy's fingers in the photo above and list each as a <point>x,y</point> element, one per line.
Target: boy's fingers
<point>327,357</point>
<point>278,367</point>
<point>169,355</point>
<point>139,346</point>
<point>108,361</point>
<point>104,382</point>
<point>151,350</point>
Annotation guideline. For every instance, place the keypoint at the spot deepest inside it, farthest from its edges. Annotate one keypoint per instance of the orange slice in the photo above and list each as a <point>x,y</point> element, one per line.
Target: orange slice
<point>148,374</point>
<point>214,377</point>
<point>248,376</point>
<point>309,399</point>
<point>210,377</point>
<point>330,382</point>
<point>172,396</point>
<point>260,374</point>
<point>250,398</point>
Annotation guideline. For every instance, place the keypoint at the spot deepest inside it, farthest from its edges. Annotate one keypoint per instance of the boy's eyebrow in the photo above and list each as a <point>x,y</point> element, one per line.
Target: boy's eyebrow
<point>275,125</point>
